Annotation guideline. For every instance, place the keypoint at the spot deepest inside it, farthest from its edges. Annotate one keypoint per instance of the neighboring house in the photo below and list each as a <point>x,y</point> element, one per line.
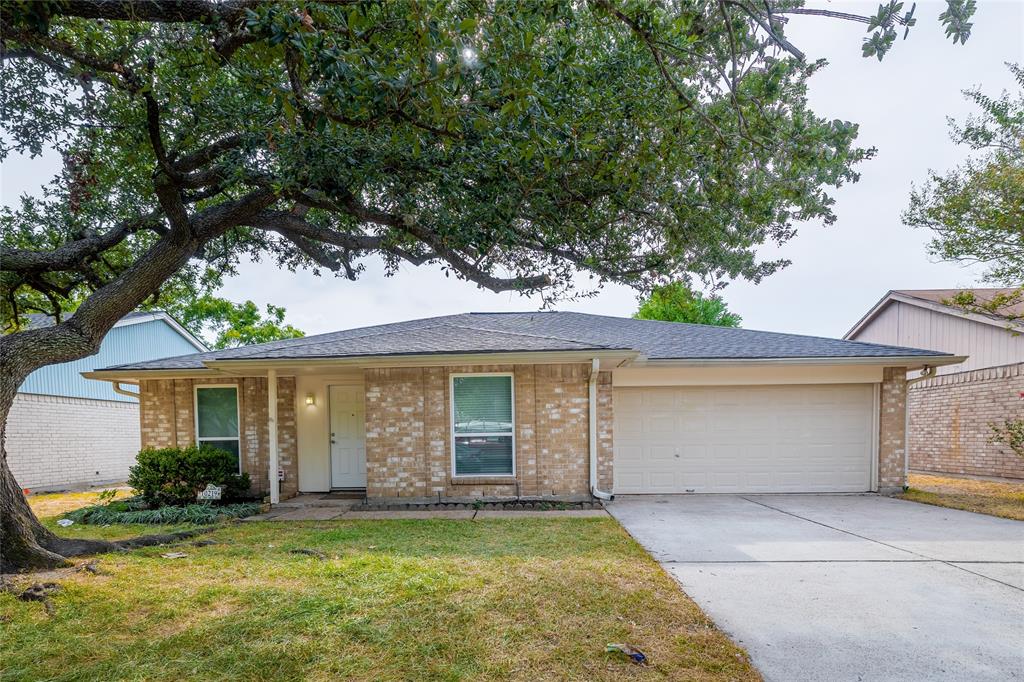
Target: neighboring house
<point>544,404</point>
<point>64,431</point>
<point>951,414</point>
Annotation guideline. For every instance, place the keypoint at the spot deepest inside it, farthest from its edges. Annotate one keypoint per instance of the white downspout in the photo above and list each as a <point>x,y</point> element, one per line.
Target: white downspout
<point>275,488</point>
<point>926,373</point>
<point>595,366</point>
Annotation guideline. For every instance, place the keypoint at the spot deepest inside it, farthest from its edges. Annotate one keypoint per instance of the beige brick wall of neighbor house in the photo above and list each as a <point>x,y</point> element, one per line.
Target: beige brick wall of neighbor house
<point>892,429</point>
<point>57,442</point>
<point>950,417</point>
<point>408,432</point>
<point>167,418</point>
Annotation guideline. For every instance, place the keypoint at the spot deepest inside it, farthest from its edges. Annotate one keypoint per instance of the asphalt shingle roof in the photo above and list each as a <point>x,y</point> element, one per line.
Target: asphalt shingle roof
<point>544,331</point>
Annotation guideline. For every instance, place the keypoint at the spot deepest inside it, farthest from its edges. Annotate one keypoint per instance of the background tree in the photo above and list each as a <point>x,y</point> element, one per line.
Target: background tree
<point>677,302</point>
<point>226,324</point>
<point>637,141</point>
<point>976,210</point>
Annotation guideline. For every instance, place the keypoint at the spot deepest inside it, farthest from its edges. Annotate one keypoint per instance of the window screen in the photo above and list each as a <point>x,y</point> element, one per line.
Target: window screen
<point>482,425</point>
<point>217,417</point>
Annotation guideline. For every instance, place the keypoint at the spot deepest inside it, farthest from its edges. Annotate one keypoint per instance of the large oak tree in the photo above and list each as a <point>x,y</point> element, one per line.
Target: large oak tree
<point>512,144</point>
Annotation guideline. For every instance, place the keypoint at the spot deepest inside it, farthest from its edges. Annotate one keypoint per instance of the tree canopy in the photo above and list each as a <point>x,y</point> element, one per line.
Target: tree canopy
<point>510,147</point>
<point>678,302</point>
<point>226,324</point>
<point>976,210</point>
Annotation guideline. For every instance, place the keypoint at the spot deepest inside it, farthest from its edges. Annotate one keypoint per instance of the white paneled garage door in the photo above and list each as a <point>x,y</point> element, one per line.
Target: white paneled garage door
<point>729,439</point>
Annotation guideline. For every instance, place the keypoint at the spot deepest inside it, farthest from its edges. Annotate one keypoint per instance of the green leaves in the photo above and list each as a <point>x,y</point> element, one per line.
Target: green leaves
<point>976,210</point>
<point>508,146</point>
<point>231,324</point>
<point>677,302</point>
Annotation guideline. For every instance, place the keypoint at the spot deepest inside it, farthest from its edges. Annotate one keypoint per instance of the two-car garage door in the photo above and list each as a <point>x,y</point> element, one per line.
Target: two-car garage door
<point>729,439</point>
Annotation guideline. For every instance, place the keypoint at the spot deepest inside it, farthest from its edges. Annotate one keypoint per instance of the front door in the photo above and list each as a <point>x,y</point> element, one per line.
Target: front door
<point>348,445</point>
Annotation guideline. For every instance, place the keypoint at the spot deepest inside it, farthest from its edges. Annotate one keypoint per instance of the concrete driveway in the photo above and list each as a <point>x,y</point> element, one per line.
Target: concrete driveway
<point>846,587</point>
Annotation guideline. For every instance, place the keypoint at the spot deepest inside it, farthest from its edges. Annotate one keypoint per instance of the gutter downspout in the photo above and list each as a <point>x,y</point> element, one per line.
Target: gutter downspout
<point>116,385</point>
<point>595,366</point>
<point>926,373</point>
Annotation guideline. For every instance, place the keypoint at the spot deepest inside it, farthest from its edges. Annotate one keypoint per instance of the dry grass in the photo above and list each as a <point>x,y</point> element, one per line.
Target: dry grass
<point>521,599</point>
<point>995,498</point>
<point>54,504</point>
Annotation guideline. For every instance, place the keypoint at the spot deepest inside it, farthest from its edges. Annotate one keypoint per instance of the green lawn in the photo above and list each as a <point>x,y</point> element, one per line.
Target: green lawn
<point>394,600</point>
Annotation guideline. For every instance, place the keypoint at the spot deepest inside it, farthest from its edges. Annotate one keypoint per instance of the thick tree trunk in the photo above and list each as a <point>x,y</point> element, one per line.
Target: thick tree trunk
<point>24,542</point>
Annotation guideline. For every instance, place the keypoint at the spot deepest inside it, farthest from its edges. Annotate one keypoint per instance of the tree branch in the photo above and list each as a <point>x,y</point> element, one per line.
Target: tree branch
<point>72,255</point>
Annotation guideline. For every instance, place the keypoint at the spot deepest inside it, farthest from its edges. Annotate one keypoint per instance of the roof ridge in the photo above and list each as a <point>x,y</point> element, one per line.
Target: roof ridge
<point>535,336</point>
<point>307,340</point>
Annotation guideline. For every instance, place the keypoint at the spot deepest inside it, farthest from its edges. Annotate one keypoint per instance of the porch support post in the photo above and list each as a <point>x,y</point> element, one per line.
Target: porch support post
<point>275,491</point>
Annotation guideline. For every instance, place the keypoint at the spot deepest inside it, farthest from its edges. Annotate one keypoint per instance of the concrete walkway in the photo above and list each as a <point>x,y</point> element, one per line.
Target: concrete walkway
<point>846,587</point>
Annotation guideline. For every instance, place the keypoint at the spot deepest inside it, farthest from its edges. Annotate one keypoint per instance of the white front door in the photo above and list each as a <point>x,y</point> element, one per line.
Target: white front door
<point>744,439</point>
<point>348,444</point>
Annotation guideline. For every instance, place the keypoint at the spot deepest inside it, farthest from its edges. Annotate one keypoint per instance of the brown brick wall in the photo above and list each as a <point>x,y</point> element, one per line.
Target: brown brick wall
<point>891,446</point>
<point>408,433</point>
<point>950,417</point>
<point>167,418</point>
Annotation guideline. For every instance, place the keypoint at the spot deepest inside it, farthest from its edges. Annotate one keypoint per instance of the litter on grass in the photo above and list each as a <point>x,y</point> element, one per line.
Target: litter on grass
<point>64,523</point>
<point>637,656</point>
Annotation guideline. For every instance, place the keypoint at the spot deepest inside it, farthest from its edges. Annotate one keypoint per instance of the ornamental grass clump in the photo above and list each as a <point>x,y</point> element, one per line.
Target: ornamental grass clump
<point>135,510</point>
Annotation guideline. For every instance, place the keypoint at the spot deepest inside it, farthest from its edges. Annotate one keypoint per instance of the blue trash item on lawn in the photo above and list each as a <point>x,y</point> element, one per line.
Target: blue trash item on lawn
<point>637,656</point>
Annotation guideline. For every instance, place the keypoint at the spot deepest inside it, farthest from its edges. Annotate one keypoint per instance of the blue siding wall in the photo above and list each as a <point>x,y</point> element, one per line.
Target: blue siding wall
<point>130,343</point>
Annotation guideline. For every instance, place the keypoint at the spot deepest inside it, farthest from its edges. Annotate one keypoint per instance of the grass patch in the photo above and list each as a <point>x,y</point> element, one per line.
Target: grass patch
<point>995,498</point>
<point>523,599</point>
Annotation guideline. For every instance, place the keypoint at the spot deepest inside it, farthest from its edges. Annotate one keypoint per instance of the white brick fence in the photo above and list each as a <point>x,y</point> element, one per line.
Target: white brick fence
<point>57,442</point>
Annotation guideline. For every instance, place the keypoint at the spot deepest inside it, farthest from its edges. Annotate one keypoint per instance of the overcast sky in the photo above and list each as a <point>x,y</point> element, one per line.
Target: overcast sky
<point>838,272</point>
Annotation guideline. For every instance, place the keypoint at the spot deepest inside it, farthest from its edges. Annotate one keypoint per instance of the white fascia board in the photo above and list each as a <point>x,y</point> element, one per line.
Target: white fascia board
<point>136,375</point>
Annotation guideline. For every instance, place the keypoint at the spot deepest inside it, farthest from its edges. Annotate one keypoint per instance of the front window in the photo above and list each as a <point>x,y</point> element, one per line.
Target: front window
<point>482,423</point>
<point>217,417</point>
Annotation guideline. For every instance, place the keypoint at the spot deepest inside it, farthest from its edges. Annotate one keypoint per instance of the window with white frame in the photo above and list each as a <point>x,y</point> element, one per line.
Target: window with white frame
<point>217,417</point>
<point>483,440</point>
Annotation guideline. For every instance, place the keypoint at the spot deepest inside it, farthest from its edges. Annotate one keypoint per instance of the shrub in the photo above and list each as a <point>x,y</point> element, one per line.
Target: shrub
<point>174,476</point>
<point>1010,434</point>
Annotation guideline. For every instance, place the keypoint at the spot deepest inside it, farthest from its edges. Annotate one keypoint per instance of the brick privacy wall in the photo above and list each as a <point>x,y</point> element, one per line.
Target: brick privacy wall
<point>950,417</point>
<point>408,432</point>
<point>167,419</point>
<point>891,445</point>
<point>56,442</point>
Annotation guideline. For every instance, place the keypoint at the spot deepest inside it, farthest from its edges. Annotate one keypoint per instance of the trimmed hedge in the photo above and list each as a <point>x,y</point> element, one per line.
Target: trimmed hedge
<point>174,476</point>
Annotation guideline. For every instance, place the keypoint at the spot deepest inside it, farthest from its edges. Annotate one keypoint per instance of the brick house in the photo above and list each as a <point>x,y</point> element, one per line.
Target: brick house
<point>950,413</point>
<point>540,405</point>
<point>64,431</point>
